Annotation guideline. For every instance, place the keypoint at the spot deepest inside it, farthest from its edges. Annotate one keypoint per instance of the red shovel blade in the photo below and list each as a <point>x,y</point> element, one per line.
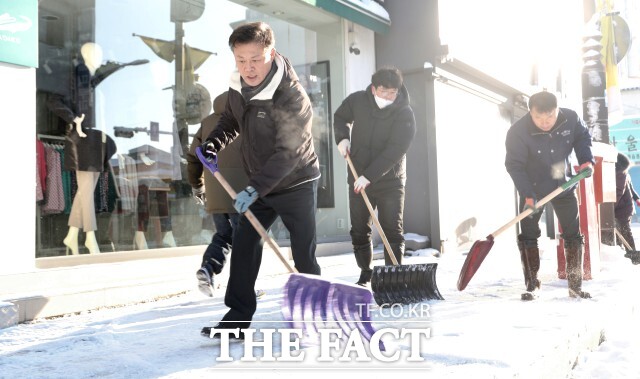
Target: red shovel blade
<point>476,255</point>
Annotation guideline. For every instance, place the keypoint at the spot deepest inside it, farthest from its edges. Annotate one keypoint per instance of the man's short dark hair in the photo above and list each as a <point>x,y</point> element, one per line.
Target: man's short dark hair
<point>388,77</point>
<point>543,102</point>
<point>254,32</point>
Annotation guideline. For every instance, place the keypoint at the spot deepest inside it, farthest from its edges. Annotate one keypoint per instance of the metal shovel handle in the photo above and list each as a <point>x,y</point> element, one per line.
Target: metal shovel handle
<point>250,216</point>
<point>373,215</point>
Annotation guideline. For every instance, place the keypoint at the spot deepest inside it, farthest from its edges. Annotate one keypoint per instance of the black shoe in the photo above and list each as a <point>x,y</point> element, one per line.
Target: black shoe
<point>579,294</point>
<point>205,281</point>
<point>634,256</point>
<point>206,331</point>
<point>365,278</point>
<point>364,284</point>
<point>528,296</point>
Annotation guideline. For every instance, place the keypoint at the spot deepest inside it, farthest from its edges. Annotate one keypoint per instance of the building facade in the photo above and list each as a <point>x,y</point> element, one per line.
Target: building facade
<point>144,73</point>
<point>468,69</point>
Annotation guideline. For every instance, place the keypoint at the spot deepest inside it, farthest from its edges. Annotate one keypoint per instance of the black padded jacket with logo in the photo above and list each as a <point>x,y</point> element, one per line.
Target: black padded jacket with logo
<point>380,138</point>
<point>277,142</point>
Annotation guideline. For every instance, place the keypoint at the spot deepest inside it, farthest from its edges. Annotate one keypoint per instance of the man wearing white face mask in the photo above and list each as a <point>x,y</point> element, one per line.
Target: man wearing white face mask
<point>375,127</point>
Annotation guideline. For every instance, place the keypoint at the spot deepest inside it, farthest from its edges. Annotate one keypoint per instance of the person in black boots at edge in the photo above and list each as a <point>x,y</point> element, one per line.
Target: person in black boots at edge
<point>209,193</point>
<point>537,159</point>
<point>375,128</point>
<point>626,198</point>
<point>268,106</point>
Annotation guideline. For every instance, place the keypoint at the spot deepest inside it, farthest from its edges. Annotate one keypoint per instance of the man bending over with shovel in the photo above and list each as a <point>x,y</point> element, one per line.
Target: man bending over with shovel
<point>269,108</point>
<point>538,148</point>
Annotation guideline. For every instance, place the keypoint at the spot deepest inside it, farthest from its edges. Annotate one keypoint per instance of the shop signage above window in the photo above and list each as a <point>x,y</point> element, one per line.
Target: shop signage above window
<point>314,13</point>
<point>625,136</point>
<point>19,32</point>
<point>367,13</point>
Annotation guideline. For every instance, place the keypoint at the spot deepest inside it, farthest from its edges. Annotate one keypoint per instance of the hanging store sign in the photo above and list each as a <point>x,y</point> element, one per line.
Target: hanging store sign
<point>19,32</point>
<point>625,136</point>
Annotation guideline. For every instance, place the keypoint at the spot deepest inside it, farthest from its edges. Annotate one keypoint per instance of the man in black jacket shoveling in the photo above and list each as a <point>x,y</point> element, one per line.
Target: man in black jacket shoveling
<point>269,108</point>
<point>376,127</point>
<point>538,149</point>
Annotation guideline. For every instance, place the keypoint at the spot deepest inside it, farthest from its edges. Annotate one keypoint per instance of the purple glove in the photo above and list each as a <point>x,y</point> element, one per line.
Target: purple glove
<point>210,163</point>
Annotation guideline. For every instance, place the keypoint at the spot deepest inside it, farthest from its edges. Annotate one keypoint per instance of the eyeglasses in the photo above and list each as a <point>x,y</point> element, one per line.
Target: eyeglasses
<point>386,92</point>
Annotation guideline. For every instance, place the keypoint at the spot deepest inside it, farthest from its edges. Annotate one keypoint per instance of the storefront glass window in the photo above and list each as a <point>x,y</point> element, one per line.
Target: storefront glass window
<point>143,73</point>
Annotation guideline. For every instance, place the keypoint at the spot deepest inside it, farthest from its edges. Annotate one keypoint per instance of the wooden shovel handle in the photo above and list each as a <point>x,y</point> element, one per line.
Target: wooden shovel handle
<point>256,224</point>
<point>373,215</point>
<point>581,175</point>
<point>624,241</point>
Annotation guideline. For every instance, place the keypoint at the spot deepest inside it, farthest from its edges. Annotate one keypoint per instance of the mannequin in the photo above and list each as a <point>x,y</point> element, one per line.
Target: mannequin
<point>89,157</point>
<point>87,152</point>
<point>92,55</point>
<point>152,193</point>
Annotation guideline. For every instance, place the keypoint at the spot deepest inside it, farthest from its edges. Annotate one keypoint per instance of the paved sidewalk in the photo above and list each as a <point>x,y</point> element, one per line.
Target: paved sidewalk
<point>487,331</point>
<point>482,332</point>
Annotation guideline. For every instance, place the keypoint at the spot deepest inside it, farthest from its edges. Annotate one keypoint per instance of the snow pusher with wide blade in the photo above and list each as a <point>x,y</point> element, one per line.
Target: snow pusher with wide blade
<point>310,301</point>
<point>481,248</point>
<point>404,284</point>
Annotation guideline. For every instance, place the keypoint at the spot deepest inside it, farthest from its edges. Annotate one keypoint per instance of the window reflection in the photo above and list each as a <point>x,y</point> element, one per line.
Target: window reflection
<point>151,86</point>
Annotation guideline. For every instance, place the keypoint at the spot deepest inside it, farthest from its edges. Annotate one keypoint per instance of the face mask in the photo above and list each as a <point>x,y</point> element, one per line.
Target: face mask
<point>382,103</point>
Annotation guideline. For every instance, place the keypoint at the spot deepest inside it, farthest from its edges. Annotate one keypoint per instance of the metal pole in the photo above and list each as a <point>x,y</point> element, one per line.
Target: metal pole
<point>179,94</point>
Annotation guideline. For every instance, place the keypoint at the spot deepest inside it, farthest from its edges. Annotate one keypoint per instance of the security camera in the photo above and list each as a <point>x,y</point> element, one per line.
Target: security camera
<point>354,46</point>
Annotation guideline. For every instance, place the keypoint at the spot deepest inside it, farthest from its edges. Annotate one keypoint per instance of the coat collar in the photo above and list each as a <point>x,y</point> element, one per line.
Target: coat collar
<point>268,91</point>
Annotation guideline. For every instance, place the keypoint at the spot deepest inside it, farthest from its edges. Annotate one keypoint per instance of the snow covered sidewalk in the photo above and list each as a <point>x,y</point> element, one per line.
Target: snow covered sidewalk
<point>482,332</point>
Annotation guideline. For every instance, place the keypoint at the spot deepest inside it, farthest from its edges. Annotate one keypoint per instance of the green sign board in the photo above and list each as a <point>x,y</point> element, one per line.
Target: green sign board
<point>625,136</point>
<point>19,32</point>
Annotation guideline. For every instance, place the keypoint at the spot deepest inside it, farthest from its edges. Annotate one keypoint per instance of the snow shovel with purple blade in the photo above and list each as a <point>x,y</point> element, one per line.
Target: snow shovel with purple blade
<point>305,306</point>
<point>399,284</point>
<point>327,305</point>
<point>349,305</point>
<point>481,248</point>
<point>307,298</point>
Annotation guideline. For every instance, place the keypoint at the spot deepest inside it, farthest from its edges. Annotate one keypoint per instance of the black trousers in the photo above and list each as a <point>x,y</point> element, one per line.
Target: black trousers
<point>390,204</point>
<point>215,256</point>
<point>297,209</point>
<point>565,207</point>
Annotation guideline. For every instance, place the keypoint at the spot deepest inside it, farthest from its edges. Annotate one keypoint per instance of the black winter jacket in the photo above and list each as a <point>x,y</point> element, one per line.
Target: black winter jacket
<point>380,138</point>
<point>538,161</point>
<point>625,193</point>
<point>277,144</point>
